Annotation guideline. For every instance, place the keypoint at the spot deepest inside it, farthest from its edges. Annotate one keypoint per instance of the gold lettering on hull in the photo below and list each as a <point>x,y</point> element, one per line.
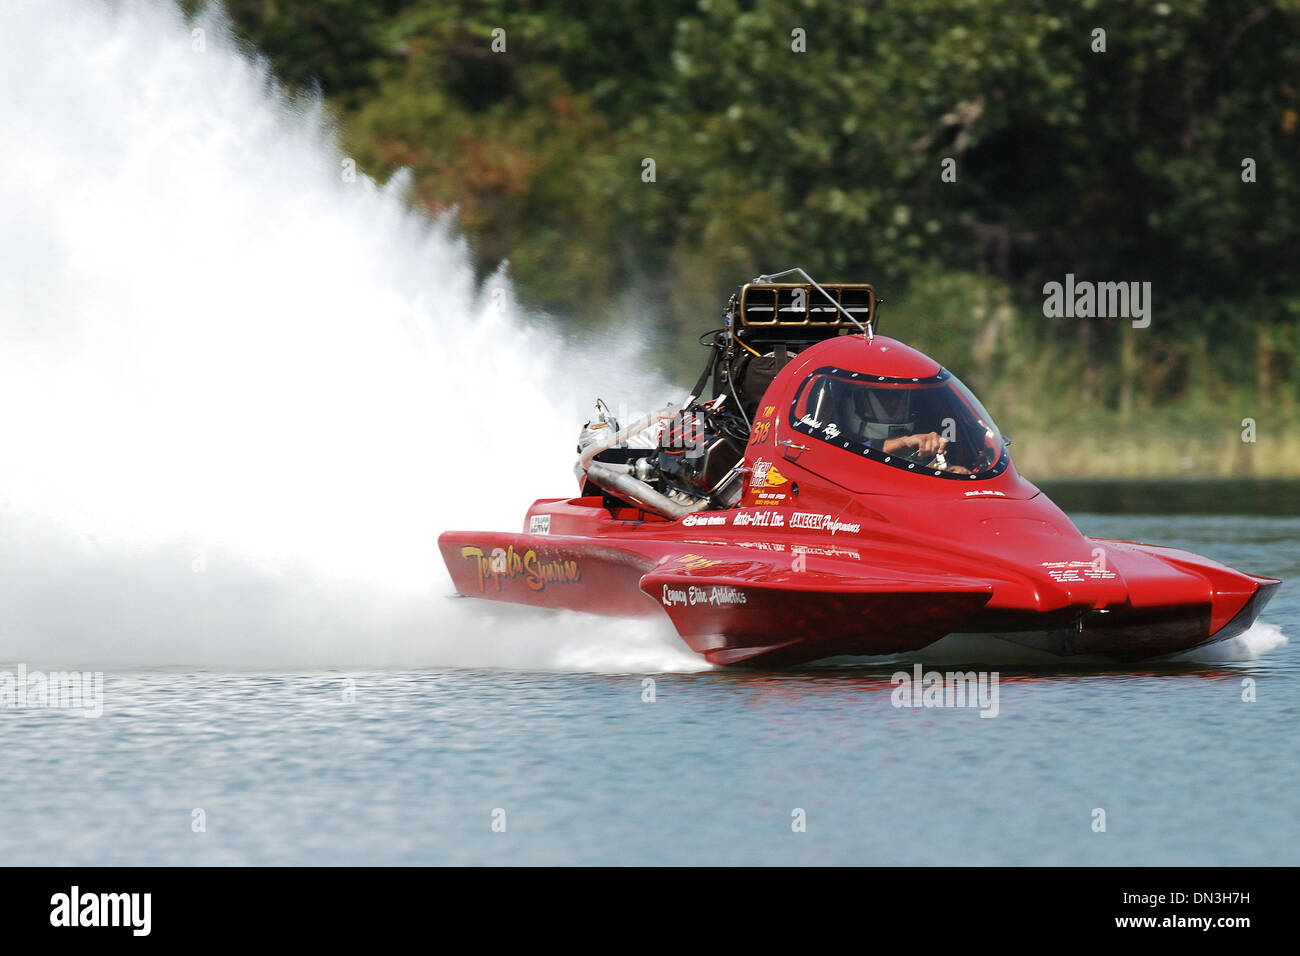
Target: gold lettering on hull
<point>507,564</point>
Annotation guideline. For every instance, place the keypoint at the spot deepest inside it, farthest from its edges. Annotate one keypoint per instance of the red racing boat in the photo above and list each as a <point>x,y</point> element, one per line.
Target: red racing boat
<point>838,493</point>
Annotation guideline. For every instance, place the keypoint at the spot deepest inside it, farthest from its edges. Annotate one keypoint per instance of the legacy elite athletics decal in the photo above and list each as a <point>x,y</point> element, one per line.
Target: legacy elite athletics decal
<point>506,564</point>
<point>718,594</point>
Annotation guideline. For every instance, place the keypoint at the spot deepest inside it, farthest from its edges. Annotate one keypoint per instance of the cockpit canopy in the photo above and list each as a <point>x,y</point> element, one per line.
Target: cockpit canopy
<point>934,426</point>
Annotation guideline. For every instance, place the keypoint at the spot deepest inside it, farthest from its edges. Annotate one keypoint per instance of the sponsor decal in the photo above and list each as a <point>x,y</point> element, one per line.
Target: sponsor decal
<point>978,494</point>
<point>766,475</point>
<point>762,545</point>
<point>1078,571</point>
<point>506,564</point>
<point>760,519</point>
<point>718,595</point>
<point>695,520</point>
<point>829,550</point>
<point>539,524</point>
<point>694,562</point>
<point>727,595</point>
<point>814,522</point>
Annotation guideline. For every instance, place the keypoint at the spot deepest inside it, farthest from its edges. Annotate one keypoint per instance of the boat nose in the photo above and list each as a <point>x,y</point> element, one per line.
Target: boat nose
<point>1092,582</point>
<point>1061,566</point>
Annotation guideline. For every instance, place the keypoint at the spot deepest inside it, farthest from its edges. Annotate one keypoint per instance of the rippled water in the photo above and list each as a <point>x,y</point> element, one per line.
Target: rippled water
<point>287,770</point>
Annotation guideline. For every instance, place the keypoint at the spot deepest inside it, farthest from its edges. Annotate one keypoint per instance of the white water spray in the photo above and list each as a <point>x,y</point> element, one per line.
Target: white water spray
<point>239,394</point>
<point>1253,643</point>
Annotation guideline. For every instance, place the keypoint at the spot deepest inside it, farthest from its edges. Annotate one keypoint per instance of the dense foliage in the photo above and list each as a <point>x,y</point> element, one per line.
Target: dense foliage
<point>1122,165</point>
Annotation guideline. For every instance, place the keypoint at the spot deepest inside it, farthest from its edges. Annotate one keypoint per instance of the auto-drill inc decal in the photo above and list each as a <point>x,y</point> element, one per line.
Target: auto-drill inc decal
<point>507,564</point>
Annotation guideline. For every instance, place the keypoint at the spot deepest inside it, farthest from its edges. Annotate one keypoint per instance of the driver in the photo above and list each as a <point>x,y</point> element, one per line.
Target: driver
<point>888,424</point>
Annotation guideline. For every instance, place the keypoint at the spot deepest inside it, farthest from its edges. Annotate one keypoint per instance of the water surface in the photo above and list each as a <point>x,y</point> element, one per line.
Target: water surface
<point>409,767</point>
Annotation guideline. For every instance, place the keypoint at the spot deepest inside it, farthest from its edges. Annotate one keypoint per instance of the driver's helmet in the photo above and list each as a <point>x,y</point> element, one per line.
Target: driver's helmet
<point>882,412</point>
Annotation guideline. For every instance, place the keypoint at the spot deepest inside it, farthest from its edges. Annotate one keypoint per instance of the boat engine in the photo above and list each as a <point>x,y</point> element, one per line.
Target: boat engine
<point>693,465</point>
<point>698,459</point>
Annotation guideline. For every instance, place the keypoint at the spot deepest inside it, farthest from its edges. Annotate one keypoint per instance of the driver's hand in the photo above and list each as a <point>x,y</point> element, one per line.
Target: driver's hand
<point>929,444</point>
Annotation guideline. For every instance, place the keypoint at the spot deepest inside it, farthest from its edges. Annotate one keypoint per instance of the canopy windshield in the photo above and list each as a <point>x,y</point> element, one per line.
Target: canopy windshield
<point>934,426</point>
